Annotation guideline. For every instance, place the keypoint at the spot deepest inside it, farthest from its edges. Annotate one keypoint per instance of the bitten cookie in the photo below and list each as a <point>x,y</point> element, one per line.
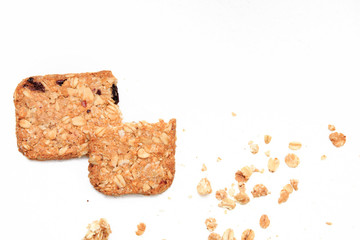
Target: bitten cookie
<point>133,158</point>
<point>55,114</point>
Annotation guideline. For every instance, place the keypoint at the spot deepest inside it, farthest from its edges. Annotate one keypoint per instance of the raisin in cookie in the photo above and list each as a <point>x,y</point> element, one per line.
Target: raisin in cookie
<point>55,114</point>
<point>133,158</point>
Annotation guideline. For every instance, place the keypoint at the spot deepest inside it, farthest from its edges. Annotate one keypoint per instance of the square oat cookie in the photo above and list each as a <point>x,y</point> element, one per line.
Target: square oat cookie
<point>133,158</point>
<point>55,114</point>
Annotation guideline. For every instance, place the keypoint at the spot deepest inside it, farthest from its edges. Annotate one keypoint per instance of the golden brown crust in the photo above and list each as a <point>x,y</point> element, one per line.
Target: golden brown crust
<point>133,158</point>
<point>56,113</point>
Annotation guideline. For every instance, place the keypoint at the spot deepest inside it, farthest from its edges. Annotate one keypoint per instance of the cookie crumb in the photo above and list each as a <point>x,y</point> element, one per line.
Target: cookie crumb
<point>248,234</point>
<point>87,200</point>
<point>267,153</point>
<point>329,223</point>
<point>242,198</point>
<point>323,157</point>
<point>228,234</point>
<point>233,114</point>
<point>169,198</point>
<point>259,190</point>
<point>204,187</point>
<point>221,194</point>
<point>331,127</point>
<point>244,174</point>
<point>267,139</point>
<point>264,221</point>
<point>140,229</point>
<point>292,160</point>
<point>214,236</point>
<point>337,139</point>
<point>254,148</point>
<point>184,130</point>
<point>295,145</point>
<point>218,159</point>
<point>250,142</point>
<point>294,183</point>
<point>211,224</point>
<point>227,203</point>
<point>190,196</point>
<point>273,164</point>
<point>204,168</point>
<point>98,230</point>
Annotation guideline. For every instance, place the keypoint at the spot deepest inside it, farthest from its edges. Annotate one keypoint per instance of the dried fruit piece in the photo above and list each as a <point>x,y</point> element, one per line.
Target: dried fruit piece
<point>204,187</point>
<point>221,194</point>
<point>227,203</point>
<point>331,127</point>
<point>140,229</point>
<point>338,139</point>
<point>264,221</point>
<point>211,224</point>
<point>248,234</point>
<point>292,160</point>
<point>295,145</point>
<point>294,183</point>
<point>273,164</point>
<point>228,234</point>
<point>254,148</point>
<point>115,93</point>
<point>98,230</point>
<point>214,236</point>
<point>60,82</point>
<point>267,139</point>
<point>34,86</point>
<point>244,174</point>
<point>98,92</point>
<point>259,190</point>
<point>242,198</point>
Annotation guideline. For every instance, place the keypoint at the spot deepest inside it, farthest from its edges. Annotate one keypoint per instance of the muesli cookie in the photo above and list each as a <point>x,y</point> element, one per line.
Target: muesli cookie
<point>56,113</point>
<point>133,158</point>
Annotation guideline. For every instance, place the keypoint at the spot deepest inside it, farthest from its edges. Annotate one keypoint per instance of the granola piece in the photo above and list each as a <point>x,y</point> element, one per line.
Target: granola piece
<point>259,190</point>
<point>140,229</point>
<point>331,127</point>
<point>242,198</point>
<point>294,183</point>
<point>264,221</point>
<point>323,157</point>
<point>214,236</point>
<point>288,187</point>
<point>204,187</point>
<point>273,164</point>
<point>241,186</point>
<point>133,158</point>
<point>221,194</point>
<point>227,203</point>
<point>337,139</point>
<point>244,174</point>
<point>228,234</point>
<point>295,145</point>
<point>292,160</point>
<point>267,153</point>
<point>211,224</point>
<point>98,230</point>
<point>254,148</point>
<point>284,196</point>
<point>267,139</point>
<point>248,234</point>
<point>287,190</point>
<point>204,168</point>
<point>55,114</point>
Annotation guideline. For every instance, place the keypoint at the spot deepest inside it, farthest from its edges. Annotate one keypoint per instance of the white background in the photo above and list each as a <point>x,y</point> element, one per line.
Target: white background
<point>287,68</point>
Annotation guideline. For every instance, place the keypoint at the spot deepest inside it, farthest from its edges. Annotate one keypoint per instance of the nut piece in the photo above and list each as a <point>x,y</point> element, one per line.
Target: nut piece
<point>292,160</point>
<point>78,121</point>
<point>227,203</point>
<point>98,230</point>
<point>254,148</point>
<point>248,234</point>
<point>214,236</point>
<point>221,194</point>
<point>24,123</point>
<point>273,164</point>
<point>331,127</point>
<point>264,221</point>
<point>204,187</point>
<point>140,229</point>
<point>295,145</point>
<point>294,183</point>
<point>244,174</point>
<point>338,139</point>
<point>242,198</point>
<point>284,196</point>
<point>267,139</point>
<point>259,190</point>
<point>211,224</point>
<point>228,234</point>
